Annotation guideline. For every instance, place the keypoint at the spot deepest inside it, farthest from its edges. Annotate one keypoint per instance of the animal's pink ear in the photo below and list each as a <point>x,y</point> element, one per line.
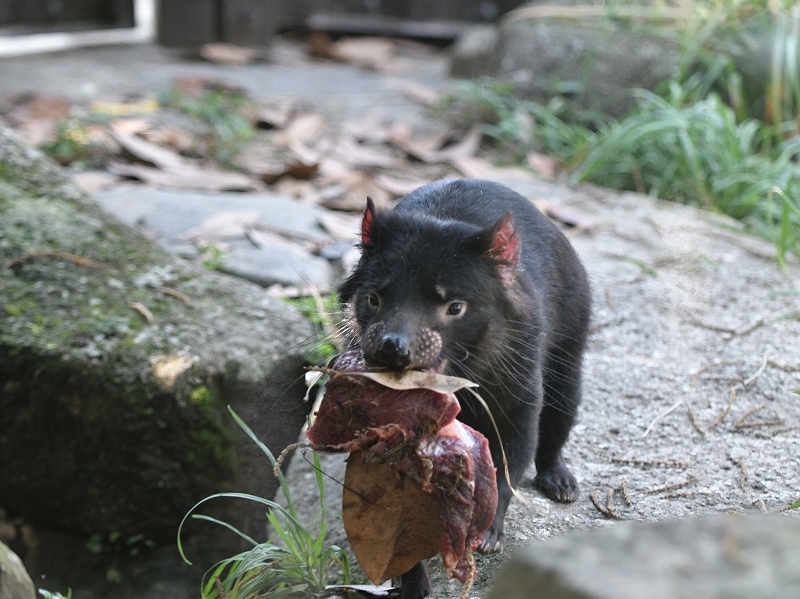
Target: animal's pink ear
<point>366,223</point>
<point>505,248</point>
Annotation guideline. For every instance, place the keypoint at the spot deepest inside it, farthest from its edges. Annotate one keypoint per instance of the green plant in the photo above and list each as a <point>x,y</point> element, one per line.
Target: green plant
<point>795,505</point>
<point>73,142</point>
<point>49,595</point>
<point>221,111</point>
<point>213,256</point>
<point>323,312</point>
<point>294,564</point>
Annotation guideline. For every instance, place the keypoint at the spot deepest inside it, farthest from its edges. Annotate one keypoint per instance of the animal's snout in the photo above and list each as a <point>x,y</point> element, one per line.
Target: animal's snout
<point>393,351</point>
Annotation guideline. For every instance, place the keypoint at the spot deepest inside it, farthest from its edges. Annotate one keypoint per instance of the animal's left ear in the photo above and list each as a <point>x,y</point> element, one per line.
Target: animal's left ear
<point>366,223</point>
<point>505,248</point>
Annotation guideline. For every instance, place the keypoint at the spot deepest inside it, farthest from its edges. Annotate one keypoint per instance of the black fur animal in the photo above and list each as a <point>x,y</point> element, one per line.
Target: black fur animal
<point>468,278</point>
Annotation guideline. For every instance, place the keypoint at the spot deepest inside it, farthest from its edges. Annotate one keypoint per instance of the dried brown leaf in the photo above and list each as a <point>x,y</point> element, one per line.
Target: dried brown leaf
<point>422,94</point>
<point>231,54</point>
<point>543,164</point>
<point>478,168</point>
<point>94,181</point>
<point>398,187</point>
<point>390,522</point>
<point>186,177</point>
<point>367,52</point>
<point>145,151</point>
<point>230,224</point>
<point>344,227</point>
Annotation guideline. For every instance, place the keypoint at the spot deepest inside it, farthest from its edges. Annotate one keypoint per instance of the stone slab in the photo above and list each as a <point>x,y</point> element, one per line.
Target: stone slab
<point>717,557</point>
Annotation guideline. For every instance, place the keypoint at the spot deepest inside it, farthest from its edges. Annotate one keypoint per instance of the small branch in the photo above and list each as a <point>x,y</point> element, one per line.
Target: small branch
<point>52,254</point>
<point>659,463</point>
<point>176,294</point>
<point>750,412</point>
<point>756,423</point>
<point>708,367</point>
<point>757,373</point>
<point>661,415</point>
<point>743,475</point>
<point>726,411</point>
<point>665,489</point>
<point>694,421</point>
<point>626,494</point>
<point>606,510</point>
<point>142,309</point>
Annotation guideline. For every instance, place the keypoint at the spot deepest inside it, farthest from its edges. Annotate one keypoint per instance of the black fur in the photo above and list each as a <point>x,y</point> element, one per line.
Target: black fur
<point>446,281</point>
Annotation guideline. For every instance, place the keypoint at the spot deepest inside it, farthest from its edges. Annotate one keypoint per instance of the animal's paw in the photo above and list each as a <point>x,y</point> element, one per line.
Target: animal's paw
<point>557,483</point>
<point>493,540</point>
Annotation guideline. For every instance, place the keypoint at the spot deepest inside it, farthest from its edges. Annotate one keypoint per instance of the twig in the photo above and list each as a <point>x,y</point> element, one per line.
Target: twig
<point>661,415</point>
<point>282,456</point>
<point>785,367</point>
<point>623,488</point>
<point>708,367</point>
<point>756,423</point>
<point>660,463</point>
<point>607,511</point>
<point>176,294</point>
<point>726,411</point>
<point>666,488</point>
<point>761,505</point>
<point>52,254</point>
<point>679,495</point>
<point>693,420</point>
<point>749,412</point>
<point>743,475</point>
<point>609,299</point>
<point>773,433</point>
<point>757,373</point>
<point>142,309</point>
<point>731,332</point>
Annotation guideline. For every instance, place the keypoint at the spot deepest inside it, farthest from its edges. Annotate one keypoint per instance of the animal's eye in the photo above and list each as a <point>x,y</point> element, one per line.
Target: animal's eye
<point>455,309</point>
<point>374,300</point>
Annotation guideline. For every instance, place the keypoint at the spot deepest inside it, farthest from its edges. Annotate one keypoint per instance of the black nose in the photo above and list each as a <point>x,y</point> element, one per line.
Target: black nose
<point>393,352</point>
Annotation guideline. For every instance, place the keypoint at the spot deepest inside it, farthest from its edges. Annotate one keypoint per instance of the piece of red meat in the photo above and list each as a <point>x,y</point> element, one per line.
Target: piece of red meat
<point>416,432</point>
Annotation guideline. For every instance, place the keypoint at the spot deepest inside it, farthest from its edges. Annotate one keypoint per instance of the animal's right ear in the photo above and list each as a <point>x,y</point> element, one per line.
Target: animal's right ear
<point>366,223</point>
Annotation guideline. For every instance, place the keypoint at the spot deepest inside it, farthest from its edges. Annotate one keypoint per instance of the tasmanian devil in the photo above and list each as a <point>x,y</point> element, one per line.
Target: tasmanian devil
<point>468,278</point>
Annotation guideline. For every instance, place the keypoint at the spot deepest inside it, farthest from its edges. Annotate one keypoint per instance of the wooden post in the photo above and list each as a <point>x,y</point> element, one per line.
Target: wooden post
<point>188,23</point>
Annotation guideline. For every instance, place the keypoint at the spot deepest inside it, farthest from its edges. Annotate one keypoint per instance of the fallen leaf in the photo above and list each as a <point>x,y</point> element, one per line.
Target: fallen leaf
<point>186,177</point>
<point>320,45</point>
<point>47,107</point>
<point>564,216</point>
<point>230,224</point>
<point>418,379</point>
<point>367,52</point>
<point>148,106</point>
<point>170,137</point>
<point>371,127</point>
<point>390,522</point>
<point>302,128</point>
<point>145,151</point>
<point>94,181</point>
<point>341,226</point>
<point>543,164</point>
<point>360,186</point>
<point>422,94</point>
<point>265,239</point>
<point>356,155</point>
<point>130,126</point>
<point>302,190</point>
<point>398,187</point>
<point>230,54</point>
<point>429,149</point>
<point>273,117</point>
<point>478,168</point>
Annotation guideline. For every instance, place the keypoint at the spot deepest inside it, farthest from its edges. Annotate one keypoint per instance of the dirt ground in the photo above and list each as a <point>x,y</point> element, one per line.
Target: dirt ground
<point>693,366</point>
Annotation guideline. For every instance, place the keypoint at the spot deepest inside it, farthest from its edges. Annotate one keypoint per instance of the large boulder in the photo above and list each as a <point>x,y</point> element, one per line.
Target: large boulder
<point>694,558</point>
<point>117,361</point>
<point>14,580</point>
<point>595,60</point>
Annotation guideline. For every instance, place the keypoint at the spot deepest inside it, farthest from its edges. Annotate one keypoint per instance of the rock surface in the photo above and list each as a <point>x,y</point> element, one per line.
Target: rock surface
<point>14,580</point>
<point>117,361</point>
<point>713,557</point>
<point>168,216</point>
<point>595,61</point>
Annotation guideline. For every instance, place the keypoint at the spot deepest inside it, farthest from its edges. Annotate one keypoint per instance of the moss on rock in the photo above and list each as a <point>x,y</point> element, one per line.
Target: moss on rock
<point>117,361</point>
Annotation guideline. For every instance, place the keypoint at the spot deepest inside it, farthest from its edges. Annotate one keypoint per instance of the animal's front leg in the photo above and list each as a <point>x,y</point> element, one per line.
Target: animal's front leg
<point>416,583</point>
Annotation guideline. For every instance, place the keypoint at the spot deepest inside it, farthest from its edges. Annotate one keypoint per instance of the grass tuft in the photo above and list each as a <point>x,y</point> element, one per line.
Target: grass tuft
<point>293,564</point>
